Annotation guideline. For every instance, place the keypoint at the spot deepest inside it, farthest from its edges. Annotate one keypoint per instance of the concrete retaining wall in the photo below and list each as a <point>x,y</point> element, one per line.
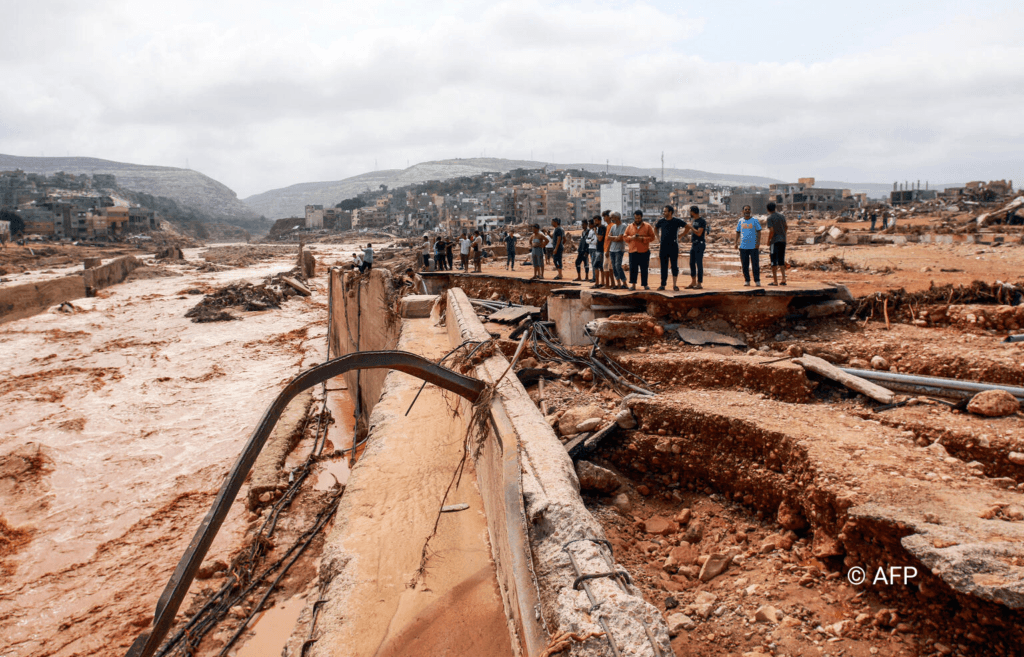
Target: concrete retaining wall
<point>22,301</point>
<point>556,519</point>
<point>363,319</point>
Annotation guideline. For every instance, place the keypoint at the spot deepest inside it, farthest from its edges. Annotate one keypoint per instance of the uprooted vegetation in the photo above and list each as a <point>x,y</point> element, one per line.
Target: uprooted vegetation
<point>949,304</point>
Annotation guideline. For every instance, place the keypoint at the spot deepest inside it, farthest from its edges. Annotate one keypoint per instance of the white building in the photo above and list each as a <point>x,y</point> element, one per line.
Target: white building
<point>574,186</point>
<point>621,198</point>
<point>314,216</point>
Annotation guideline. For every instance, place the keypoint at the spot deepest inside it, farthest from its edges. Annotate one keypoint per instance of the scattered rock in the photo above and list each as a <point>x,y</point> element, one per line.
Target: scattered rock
<point>795,350</point>
<point>208,570</point>
<point>694,532</point>
<point>859,364</point>
<point>625,419</point>
<point>765,614</point>
<point>622,503</point>
<point>993,403</point>
<point>595,478</point>
<point>713,567</point>
<point>678,623</point>
<point>569,422</point>
<point>683,517</point>
<point>589,425</point>
<point>879,363</point>
<point>1016,457</point>
<point>660,526</point>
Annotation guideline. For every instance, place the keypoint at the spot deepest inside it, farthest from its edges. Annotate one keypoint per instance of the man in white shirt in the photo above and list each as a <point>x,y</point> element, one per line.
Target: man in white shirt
<point>464,244</point>
<point>367,259</point>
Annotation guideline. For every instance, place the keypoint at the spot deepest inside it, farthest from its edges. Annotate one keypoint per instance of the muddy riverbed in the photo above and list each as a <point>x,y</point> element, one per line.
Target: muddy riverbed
<point>119,421</point>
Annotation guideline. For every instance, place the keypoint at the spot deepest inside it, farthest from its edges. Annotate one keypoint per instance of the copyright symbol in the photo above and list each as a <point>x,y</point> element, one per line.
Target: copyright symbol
<point>856,575</point>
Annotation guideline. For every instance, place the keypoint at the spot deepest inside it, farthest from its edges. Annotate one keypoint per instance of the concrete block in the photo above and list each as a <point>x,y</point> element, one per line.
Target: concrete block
<point>570,316</point>
<point>417,306</point>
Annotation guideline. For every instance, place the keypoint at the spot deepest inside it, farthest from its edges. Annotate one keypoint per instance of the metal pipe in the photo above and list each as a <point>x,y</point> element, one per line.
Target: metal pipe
<point>174,593</point>
<point>934,382</point>
<point>1014,338</point>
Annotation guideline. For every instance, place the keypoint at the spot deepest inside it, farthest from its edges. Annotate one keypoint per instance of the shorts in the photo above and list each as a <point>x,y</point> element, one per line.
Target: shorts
<point>777,254</point>
<point>537,255</point>
<point>597,260</point>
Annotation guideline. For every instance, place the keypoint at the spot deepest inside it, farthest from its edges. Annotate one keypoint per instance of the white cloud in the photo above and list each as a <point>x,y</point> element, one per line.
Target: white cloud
<point>260,96</point>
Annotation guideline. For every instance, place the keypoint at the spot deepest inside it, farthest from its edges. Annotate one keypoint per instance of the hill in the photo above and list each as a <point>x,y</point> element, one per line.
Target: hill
<point>291,201</point>
<point>189,188</point>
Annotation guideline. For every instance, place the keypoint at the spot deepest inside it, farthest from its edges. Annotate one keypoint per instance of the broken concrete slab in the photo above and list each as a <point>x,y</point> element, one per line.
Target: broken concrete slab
<point>863,386</point>
<point>296,285</point>
<point>691,336</point>
<point>513,314</point>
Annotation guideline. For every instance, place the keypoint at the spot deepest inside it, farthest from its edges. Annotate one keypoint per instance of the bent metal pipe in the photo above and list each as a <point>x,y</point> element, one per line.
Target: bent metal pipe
<point>174,592</point>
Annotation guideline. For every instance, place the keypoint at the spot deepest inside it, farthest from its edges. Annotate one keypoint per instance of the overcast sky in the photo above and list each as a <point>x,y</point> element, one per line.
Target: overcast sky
<point>261,95</point>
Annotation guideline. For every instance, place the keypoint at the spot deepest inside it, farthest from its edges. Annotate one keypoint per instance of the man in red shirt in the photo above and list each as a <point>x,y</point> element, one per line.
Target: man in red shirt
<point>638,238</point>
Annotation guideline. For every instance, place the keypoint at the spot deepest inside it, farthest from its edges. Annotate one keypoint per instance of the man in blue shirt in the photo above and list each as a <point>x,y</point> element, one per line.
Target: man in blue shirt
<point>748,238</point>
<point>510,250</point>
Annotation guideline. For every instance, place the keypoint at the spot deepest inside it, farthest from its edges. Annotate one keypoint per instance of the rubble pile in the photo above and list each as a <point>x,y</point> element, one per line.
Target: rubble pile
<point>936,305</point>
<point>246,296</point>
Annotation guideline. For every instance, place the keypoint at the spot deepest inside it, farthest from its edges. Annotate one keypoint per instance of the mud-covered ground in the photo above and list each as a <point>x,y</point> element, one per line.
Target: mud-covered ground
<point>118,422</point>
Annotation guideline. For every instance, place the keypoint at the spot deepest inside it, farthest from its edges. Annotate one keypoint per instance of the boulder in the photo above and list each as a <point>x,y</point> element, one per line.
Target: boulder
<point>825,308</point>
<point>595,478</point>
<point>570,421</point>
<point>879,363</point>
<point>993,403</point>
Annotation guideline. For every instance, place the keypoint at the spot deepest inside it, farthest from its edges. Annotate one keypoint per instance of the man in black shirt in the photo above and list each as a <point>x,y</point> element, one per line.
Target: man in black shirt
<point>583,254</point>
<point>698,232</point>
<point>668,252</point>
<point>558,236</point>
<point>510,250</point>
<point>777,229</point>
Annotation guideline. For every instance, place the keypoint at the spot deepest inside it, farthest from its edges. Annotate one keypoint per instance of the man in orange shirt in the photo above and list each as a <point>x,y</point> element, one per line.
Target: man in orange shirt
<point>638,238</point>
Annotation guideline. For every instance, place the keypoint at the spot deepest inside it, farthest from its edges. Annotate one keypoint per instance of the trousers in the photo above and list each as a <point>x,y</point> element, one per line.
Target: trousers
<point>669,257</point>
<point>697,261</point>
<point>639,262</point>
<point>751,259</point>
<point>583,257</point>
<point>617,270</point>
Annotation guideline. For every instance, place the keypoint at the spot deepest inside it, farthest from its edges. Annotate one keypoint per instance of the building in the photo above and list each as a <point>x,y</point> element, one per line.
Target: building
<point>314,217</point>
<point>803,196</point>
<point>620,197</point>
<point>574,186</point>
<point>369,217</point>
<point>337,219</point>
<point>758,202</point>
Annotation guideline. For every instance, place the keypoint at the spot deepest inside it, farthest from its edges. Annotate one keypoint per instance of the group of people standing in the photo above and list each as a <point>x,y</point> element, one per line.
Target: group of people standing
<point>606,241</point>
<point>443,251</point>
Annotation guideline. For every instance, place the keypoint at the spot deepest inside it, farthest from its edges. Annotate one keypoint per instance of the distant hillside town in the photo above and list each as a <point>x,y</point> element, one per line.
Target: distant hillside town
<point>68,206</point>
<point>525,196</point>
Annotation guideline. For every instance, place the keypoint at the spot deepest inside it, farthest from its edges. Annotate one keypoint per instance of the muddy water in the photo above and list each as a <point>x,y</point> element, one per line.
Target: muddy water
<point>273,628</point>
<point>133,415</point>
